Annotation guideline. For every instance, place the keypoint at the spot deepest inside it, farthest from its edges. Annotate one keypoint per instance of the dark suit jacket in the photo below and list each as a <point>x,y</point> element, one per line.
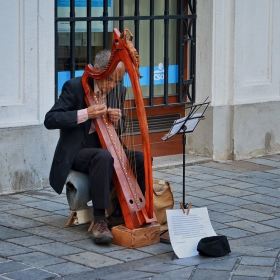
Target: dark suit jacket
<point>63,116</point>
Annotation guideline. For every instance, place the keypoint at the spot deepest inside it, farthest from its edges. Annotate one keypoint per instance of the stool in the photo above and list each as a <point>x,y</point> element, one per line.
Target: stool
<point>78,195</point>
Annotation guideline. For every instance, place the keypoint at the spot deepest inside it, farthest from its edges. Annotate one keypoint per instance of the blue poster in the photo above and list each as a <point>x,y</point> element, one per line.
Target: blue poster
<point>144,71</point>
<point>82,3</point>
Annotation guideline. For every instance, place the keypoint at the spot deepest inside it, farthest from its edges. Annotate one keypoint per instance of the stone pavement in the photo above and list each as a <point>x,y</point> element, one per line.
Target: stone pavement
<point>242,198</point>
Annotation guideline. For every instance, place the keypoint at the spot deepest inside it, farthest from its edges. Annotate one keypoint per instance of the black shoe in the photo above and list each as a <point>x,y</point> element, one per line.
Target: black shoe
<point>114,221</point>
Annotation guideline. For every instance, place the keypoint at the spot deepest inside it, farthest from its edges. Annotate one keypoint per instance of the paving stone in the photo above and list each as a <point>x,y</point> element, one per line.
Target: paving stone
<point>260,182</point>
<point>203,193</point>
<point>264,161</point>
<point>261,208</point>
<point>47,205</point>
<point>273,223</point>
<point>206,274</point>
<point>8,249</point>
<point>181,273</point>
<point>218,226</point>
<point>221,207</point>
<point>262,175</point>
<point>43,194</point>
<point>7,206</point>
<point>260,261</point>
<point>241,185</point>
<point>250,215</point>
<point>67,268</point>
<point>156,249</point>
<point>31,274</point>
<point>30,240</point>
<point>235,201</point>
<point>202,169</point>
<point>62,199</point>
<point>159,268</point>
<point>57,249</point>
<point>265,190</point>
<point>254,250</point>
<point>234,232</point>
<point>130,275</point>
<point>204,177</point>
<point>221,217</point>
<point>10,266</point>
<point>20,199</point>
<point>268,200</point>
<point>272,243</point>
<point>229,191</point>
<point>53,220</point>
<point>63,212</point>
<point>202,184</point>
<point>79,229</point>
<point>127,255</point>
<point>17,222</point>
<point>256,239</point>
<point>248,278</point>
<point>2,260</point>
<point>254,271</point>
<point>92,260</point>
<point>37,259</point>
<point>274,171</point>
<point>178,188</point>
<point>197,202</point>
<point>252,165</point>
<point>251,226</point>
<point>29,212</point>
<point>6,233</point>
<point>225,264</point>
<point>60,235</point>
<point>89,245</point>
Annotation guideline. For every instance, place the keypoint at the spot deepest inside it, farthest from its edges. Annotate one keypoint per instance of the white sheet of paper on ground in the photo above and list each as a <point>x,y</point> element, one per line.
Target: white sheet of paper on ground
<point>185,231</point>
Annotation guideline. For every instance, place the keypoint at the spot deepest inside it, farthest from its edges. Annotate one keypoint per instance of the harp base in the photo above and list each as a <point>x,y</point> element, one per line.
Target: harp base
<point>135,238</point>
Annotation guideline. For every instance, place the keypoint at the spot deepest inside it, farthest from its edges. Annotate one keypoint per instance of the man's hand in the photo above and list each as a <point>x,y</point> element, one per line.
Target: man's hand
<point>114,114</point>
<point>96,111</point>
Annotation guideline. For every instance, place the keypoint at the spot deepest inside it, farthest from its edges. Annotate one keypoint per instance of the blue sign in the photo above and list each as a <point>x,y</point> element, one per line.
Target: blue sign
<point>144,71</point>
<point>82,3</point>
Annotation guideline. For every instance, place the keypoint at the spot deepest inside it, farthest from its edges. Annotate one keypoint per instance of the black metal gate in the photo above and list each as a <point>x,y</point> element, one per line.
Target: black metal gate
<point>185,40</point>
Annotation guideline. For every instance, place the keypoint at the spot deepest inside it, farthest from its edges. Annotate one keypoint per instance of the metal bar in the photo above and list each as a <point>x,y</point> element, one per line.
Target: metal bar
<point>56,53</point>
<point>180,53</point>
<point>166,55</point>
<point>155,17</point>
<point>136,24</point>
<point>121,15</point>
<point>194,53</point>
<point>72,40</point>
<point>89,52</point>
<point>105,24</point>
<point>151,62</point>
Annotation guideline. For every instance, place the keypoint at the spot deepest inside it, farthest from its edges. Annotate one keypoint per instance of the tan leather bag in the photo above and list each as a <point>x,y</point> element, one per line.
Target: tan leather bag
<point>163,200</point>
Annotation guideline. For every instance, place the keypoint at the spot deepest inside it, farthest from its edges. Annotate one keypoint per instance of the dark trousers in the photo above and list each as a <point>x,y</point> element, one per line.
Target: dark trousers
<point>99,164</point>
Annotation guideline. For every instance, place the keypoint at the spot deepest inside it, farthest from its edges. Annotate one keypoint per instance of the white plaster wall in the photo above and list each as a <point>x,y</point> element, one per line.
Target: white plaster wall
<point>244,80</point>
<point>26,93</point>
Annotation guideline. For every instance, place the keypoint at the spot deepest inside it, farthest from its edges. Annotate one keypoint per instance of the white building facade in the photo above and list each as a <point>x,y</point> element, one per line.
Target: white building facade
<point>237,66</point>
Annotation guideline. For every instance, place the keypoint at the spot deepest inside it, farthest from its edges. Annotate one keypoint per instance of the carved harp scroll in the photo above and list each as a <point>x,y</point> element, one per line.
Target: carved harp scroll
<point>136,209</point>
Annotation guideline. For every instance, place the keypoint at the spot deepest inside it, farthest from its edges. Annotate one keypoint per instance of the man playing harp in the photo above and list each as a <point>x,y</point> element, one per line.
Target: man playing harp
<point>79,147</point>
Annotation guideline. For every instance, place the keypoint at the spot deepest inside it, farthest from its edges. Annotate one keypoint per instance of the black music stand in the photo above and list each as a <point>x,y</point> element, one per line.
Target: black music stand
<point>187,125</point>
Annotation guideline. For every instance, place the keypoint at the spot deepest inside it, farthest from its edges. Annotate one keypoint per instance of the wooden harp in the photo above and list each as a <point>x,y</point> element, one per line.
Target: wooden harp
<point>137,209</point>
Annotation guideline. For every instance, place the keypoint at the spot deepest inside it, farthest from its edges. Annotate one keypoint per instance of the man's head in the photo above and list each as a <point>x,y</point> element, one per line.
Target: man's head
<point>100,62</point>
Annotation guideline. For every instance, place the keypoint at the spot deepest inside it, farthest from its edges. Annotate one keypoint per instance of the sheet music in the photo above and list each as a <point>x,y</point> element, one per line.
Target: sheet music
<point>185,231</point>
<point>189,125</point>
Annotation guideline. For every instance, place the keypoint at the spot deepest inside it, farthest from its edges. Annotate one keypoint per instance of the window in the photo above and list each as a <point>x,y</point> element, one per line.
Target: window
<point>164,36</point>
